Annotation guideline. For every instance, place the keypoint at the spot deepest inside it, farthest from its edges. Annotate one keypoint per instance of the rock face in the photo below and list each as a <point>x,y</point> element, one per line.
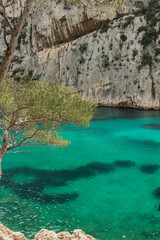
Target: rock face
<point>88,46</point>
<point>6,234</point>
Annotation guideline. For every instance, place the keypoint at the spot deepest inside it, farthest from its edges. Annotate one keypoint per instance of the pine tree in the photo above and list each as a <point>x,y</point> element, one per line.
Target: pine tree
<point>32,111</point>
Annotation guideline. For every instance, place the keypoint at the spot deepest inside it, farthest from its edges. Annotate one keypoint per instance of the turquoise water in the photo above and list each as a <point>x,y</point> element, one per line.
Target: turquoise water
<point>106,182</point>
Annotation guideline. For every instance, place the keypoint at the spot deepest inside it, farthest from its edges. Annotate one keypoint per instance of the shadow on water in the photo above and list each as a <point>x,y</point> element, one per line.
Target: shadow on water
<point>126,113</point>
<point>152,126</point>
<point>156,193</point>
<point>145,143</point>
<point>150,169</point>
<point>43,178</point>
<point>124,164</point>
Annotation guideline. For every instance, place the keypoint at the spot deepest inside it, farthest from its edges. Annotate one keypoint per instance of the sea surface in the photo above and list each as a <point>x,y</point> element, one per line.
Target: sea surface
<point>106,182</point>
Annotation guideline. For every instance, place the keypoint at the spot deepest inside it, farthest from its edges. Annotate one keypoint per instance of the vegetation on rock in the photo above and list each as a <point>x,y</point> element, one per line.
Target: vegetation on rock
<point>149,37</point>
<point>123,37</point>
<point>146,59</point>
<point>83,47</point>
<point>104,27</point>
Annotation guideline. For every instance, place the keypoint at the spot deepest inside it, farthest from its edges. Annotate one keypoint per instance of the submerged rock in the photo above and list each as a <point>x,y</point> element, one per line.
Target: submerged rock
<point>149,169</point>
<point>124,164</point>
<point>151,234</point>
<point>7,234</point>
<point>156,193</point>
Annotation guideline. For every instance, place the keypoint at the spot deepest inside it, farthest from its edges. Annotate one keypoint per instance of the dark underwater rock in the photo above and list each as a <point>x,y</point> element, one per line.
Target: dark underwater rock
<point>151,234</point>
<point>124,164</point>
<point>156,193</point>
<point>149,169</point>
<point>151,126</point>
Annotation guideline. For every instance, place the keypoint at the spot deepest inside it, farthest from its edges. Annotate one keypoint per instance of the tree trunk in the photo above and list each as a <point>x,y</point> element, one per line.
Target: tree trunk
<point>4,148</point>
<point>13,42</point>
<point>1,157</point>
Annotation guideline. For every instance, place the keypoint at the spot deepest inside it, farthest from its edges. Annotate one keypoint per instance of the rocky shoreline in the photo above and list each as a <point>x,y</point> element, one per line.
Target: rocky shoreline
<point>7,234</point>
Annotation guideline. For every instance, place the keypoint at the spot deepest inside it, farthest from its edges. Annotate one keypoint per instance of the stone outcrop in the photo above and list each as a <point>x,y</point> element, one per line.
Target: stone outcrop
<point>69,43</point>
<point>6,234</point>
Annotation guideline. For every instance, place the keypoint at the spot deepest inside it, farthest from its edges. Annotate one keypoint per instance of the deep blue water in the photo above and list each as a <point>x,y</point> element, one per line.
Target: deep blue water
<point>106,182</point>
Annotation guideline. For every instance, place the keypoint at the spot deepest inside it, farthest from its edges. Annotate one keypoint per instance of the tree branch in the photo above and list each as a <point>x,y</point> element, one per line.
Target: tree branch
<point>9,4</point>
<point>15,115</point>
<point>3,14</point>
<point>5,35</point>
<point>13,137</point>
<point>26,151</point>
<point>35,144</point>
<point>25,140</point>
<point>13,41</point>
<point>41,120</point>
<point>5,117</point>
<point>8,22</point>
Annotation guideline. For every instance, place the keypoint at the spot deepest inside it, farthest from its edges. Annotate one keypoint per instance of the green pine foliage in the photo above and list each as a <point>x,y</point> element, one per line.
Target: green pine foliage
<point>33,111</point>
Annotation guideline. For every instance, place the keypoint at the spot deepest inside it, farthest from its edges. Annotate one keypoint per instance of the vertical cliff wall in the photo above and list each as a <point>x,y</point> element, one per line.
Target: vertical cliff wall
<point>108,50</point>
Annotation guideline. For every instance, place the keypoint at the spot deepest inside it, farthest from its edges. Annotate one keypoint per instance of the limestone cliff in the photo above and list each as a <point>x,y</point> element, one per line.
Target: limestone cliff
<point>7,234</point>
<point>105,50</point>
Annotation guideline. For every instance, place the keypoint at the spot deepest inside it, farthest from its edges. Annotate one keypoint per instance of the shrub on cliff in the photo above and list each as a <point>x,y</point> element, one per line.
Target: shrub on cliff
<point>123,37</point>
<point>104,28</point>
<point>128,21</point>
<point>146,59</point>
<point>105,61</point>
<point>83,47</point>
<point>148,37</point>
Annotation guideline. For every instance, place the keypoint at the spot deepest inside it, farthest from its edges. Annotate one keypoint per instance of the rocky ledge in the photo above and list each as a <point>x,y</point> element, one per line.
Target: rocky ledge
<point>7,234</point>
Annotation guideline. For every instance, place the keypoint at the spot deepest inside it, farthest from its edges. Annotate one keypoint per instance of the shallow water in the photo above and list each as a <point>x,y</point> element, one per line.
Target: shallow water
<point>106,182</point>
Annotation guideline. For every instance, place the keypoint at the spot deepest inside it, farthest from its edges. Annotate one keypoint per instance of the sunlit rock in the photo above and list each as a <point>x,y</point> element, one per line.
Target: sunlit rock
<point>6,234</point>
